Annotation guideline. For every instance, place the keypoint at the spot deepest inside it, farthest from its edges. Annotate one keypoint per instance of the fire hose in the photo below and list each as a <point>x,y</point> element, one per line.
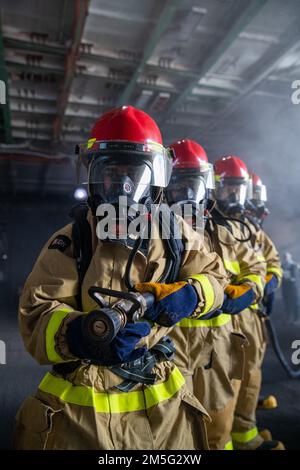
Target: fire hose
<point>102,325</point>
<point>295,374</point>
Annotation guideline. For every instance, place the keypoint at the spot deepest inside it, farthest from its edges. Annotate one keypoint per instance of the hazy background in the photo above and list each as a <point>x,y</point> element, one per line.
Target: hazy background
<point>218,71</point>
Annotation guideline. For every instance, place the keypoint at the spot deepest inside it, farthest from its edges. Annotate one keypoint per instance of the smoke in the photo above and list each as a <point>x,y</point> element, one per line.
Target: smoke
<point>264,131</point>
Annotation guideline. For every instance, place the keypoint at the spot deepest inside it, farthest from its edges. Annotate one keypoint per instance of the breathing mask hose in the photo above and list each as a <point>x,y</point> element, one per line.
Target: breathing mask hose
<point>235,219</point>
<point>173,257</point>
<point>242,222</point>
<point>127,279</point>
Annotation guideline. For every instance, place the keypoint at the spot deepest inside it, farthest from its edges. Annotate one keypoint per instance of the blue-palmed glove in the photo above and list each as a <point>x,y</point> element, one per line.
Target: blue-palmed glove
<point>237,298</point>
<point>173,301</point>
<point>268,302</point>
<point>271,283</point>
<point>120,350</point>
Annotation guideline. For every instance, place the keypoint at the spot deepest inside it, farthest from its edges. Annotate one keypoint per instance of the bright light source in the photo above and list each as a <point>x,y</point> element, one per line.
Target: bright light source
<point>80,194</point>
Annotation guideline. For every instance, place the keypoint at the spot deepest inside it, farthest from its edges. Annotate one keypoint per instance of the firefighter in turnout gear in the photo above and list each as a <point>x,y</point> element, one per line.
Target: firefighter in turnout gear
<point>127,394</point>
<point>256,212</point>
<point>209,351</point>
<point>233,187</point>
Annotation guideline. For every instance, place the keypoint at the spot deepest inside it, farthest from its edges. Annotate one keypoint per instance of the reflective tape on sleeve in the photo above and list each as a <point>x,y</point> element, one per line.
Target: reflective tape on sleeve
<point>253,278</point>
<point>207,290</point>
<point>53,326</point>
<point>275,270</point>
<point>232,266</point>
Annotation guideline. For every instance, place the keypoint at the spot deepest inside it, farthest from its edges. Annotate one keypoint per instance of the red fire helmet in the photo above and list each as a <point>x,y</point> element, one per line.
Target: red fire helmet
<point>128,136</point>
<point>230,167</point>
<point>188,154</point>
<point>126,124</point>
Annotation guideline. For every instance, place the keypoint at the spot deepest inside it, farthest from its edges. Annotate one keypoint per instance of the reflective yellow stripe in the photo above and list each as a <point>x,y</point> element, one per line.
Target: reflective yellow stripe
<point>90,143</point>
<point>211,323</point>
<point>232,266</point>
<point>51,330</point>
<point>254,307</point>
<point>104,402</point>
<point>229,446</point>
<point>275,270</point>
<point>207,290</point>
<point>252,277</point>
<point>243,437</point>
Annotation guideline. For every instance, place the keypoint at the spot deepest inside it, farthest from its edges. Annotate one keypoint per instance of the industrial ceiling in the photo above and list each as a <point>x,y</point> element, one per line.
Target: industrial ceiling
<point>188,63</point>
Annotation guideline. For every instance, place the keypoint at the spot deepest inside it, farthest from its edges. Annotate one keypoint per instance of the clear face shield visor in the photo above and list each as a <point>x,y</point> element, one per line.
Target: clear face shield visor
<point>111,177</point>
<point>233,191</point>
<point>259,195</point>
<point>257,204</point>
<point>187,194</point>
<point>95,155</point>
<point>190,184</point>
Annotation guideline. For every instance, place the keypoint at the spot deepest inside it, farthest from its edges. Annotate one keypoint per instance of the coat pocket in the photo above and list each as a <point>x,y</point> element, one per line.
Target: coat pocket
<point>191,401</point>
<point>238,343</point>
<point>197,417</point>
<point>33,426</point>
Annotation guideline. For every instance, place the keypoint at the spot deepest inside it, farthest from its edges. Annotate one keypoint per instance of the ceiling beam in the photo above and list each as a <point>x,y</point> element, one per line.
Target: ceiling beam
<point>163,22</point>
<point>95,58</point>
<point>33,69</point>
<point>30,46</point>
<point>80,14</point>
<point>4,108</point>
<point>270,61</point>
<point>247,15</point>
